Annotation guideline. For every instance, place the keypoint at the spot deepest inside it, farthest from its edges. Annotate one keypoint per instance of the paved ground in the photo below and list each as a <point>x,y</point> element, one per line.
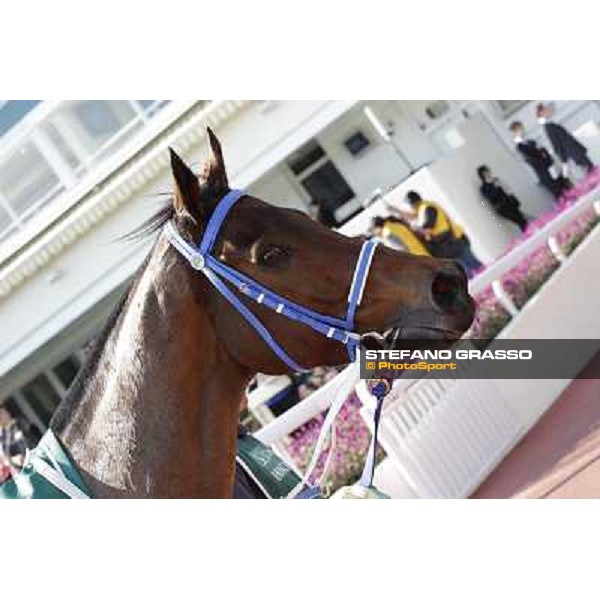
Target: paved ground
<point>560,456</point>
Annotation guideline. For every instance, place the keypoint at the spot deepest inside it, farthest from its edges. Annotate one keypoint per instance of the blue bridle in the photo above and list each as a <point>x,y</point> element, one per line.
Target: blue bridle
<point>218,273</point>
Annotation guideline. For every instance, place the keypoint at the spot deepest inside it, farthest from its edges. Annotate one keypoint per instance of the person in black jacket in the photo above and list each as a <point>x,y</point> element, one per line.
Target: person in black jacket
<point>541,161</point>
<point>565,146</point>
<point>503,202</point>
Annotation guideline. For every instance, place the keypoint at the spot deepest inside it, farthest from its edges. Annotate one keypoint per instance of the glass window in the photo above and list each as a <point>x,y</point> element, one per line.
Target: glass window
<point>61,144</point>
<point>42,398</point>
<point>26,178</point>
<point>67,370</point>
<point>303,158</point>
<point>103,126</point>
<point>357,143</point>
<point>151,107</point>
<point>327,186</point>
<point>12,111</point>
<point>64,145</point>
<point>98,118</point>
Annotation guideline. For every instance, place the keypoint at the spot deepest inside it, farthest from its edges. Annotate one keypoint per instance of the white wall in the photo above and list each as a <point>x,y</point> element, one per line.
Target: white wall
<point>270,131</point>
<point>546,317</point>
<point>486,147</point>
<point>379,166</point>
<point>452,181</point>
<point>96,264</point>
<point>584,124</point>
<point>456,176</point>
<point>376,167</point>
<point>276,188</point>
<point>412,141</point>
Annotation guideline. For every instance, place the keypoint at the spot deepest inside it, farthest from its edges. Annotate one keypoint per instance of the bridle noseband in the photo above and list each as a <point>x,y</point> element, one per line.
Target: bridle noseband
<point>217,272</point>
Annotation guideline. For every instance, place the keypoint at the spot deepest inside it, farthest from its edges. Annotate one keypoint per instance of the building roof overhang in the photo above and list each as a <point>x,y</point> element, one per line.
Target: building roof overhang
<point>112,185</point>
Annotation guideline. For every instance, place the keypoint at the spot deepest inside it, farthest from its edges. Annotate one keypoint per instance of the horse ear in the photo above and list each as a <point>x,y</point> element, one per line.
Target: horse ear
<point>187,186</point>
<point>214,173</point>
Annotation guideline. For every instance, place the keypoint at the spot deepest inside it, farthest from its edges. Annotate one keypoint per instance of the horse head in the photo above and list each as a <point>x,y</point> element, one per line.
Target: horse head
<point>406,297</point>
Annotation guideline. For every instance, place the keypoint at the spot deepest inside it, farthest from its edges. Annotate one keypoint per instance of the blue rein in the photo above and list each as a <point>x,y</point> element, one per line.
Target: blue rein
<point>218,273</point>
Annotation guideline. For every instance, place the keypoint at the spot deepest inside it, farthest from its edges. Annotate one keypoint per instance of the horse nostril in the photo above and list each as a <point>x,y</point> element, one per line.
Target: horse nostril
<point>448,291</point>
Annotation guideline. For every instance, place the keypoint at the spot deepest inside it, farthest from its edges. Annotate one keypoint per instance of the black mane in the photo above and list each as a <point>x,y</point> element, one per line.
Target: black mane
<point>155,223</point>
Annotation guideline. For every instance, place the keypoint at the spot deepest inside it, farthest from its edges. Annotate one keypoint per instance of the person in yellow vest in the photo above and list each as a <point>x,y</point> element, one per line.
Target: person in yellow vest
<point>444,238</point>
<point>398,234</point>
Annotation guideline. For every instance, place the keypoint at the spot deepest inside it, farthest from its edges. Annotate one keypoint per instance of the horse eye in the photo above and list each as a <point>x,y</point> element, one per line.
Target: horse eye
<point>272,255</point>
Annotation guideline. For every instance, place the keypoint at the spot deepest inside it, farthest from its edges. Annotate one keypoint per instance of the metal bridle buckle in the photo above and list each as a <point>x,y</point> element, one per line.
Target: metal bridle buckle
<point>197,261</point>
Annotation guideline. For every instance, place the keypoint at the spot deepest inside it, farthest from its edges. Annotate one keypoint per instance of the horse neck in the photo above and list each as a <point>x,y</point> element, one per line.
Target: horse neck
<point>159,415</point>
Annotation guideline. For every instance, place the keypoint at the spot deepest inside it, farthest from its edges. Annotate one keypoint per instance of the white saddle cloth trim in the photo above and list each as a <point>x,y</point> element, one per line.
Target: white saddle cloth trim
<point>57,479</point>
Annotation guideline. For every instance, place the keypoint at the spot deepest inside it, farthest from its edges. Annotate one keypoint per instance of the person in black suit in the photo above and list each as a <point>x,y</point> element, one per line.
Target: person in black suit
<point>541,161</point>
<point>565,146</point>
<point>503,202</point>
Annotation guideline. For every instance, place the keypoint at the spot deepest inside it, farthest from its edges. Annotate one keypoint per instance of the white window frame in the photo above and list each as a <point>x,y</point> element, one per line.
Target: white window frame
<point>296,179</point>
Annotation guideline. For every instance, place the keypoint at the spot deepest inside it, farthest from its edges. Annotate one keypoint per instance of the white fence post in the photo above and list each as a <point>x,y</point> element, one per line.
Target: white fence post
<point>556,249</point>
<point>504,299</point>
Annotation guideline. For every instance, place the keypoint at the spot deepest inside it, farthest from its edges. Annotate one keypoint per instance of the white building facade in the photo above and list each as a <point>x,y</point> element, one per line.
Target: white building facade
<point>76,176</point>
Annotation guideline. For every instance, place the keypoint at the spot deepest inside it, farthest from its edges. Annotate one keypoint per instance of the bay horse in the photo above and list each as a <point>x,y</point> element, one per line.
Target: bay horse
<point>154,411</point>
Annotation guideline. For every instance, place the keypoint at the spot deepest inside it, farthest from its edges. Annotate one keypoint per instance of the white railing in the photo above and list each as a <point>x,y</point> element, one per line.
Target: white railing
<point>444,436</point>
<point>306,410</point>
<point>545,236</point>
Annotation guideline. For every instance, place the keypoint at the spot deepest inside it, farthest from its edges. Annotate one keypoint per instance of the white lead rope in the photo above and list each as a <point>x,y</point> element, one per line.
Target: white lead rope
<point>344,389</point>
<point>57,478</point>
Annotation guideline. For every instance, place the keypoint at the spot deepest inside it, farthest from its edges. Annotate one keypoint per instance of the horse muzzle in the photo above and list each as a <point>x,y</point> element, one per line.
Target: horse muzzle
<point>449,313</point>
